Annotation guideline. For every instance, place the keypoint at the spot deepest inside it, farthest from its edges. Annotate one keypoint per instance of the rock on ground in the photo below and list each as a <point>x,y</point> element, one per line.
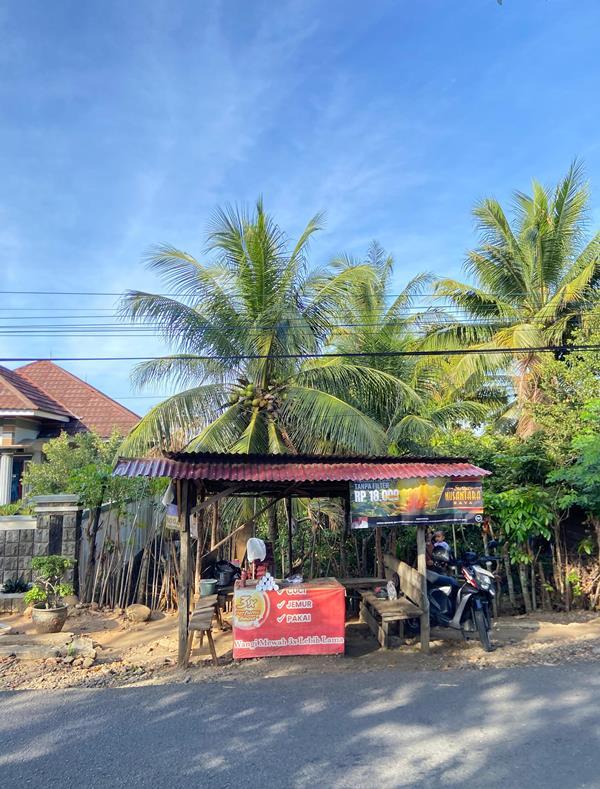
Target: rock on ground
<point>82,646</point>
<point>138,613</point>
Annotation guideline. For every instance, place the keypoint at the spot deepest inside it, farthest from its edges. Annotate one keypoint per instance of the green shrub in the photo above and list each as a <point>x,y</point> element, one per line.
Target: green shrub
<point>15,586</point>
<point>49,586</point>
<point>16,508</point>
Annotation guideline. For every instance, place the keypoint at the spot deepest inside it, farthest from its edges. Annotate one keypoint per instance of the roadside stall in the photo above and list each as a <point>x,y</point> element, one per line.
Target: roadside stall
<point>288,618</point>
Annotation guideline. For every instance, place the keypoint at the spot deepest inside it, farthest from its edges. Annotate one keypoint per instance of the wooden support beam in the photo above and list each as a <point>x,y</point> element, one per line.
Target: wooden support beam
<point>214,526</point>
<point>422,568</point>
<point>183,588</point>
<point>249,521</point>
<point>215,498</point>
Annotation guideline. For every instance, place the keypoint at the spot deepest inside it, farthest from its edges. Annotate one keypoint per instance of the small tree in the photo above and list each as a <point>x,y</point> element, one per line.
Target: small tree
<point>522,514</point>
<point>83,464</point>
<point>49,586</point>
<point>582,477</point>
<point>580,483</point>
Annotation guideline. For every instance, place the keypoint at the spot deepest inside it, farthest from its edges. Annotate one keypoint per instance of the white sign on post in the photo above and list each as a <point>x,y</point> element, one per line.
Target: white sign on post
<point>172,519</point>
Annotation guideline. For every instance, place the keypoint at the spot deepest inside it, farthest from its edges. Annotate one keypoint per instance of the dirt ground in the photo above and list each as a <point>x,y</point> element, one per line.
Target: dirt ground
<point>134,654</point>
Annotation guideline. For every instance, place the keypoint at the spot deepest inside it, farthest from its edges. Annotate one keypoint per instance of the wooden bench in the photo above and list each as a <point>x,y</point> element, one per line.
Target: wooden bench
<point>384,617</point>
<point>211,601</point>
<point>201,622</point>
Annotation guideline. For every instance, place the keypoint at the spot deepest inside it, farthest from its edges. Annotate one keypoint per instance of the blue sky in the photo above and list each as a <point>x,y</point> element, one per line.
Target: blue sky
<point>123,125</point>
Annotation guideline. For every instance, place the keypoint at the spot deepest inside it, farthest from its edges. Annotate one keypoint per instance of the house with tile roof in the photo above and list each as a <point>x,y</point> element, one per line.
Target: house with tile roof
<point>37,402</point>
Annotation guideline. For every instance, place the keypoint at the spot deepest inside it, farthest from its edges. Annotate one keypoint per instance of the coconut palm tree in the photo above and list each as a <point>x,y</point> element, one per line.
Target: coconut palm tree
<point>245,328</point>
<point>532,282</point>
<point>373,322</point>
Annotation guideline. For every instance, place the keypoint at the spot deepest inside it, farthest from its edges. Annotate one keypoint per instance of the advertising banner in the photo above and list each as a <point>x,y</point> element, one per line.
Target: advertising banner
<point>431,500</point>
<point>304,619</point>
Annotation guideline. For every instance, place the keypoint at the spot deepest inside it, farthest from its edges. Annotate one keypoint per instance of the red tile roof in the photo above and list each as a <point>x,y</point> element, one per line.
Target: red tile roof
<point>278,468</point>
<point>91,409</point>
<point>19,394</point>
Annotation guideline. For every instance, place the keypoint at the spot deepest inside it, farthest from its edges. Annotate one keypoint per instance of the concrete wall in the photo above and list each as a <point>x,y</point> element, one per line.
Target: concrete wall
<point>17,539</point>
<point>55,529</point>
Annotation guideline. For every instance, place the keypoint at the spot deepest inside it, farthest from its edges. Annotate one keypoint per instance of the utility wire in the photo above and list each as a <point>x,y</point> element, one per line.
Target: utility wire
<point>470,290</point>
<point>327,355</point>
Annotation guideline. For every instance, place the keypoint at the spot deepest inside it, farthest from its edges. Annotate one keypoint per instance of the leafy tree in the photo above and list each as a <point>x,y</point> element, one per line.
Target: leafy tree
<point>80,464</point>
<point>582,476</point>
<point>531,280</point>
<point>513,461</point>
<point>522,514</point>
<point>566,388</point>
<point>243,327</point>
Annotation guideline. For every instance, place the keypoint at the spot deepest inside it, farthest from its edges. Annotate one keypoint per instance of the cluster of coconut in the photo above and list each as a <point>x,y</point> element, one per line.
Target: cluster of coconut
<point>253,396</point>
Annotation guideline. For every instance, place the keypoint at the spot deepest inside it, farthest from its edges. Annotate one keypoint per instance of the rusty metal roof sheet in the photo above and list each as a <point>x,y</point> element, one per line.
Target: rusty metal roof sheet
<point>289,468</point>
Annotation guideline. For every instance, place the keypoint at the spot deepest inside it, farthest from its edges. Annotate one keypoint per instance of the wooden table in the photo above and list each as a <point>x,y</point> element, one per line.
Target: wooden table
<point>361,583</point>
<point>385,616</point>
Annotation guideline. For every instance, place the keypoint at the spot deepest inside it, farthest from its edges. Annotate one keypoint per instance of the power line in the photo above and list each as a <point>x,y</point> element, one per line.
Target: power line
<point>332,355</point>
<point>470,291</point>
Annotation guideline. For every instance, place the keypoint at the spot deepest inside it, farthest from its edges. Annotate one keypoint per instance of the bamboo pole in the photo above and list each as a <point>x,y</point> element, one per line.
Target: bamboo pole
<point>288,510</point>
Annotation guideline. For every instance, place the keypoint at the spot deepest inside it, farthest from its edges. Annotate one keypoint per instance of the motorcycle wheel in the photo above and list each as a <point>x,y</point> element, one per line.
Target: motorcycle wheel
<point>482,630</point>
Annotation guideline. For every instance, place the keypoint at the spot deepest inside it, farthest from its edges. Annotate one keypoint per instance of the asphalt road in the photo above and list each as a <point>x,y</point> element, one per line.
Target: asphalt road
<point>523,727</point>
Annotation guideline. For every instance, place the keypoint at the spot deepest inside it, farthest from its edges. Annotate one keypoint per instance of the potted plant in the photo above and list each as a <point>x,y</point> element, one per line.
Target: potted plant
<point>49,612</point>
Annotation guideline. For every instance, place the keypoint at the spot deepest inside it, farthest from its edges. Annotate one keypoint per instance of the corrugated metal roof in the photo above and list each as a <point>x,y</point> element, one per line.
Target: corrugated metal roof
<point>227,468</point>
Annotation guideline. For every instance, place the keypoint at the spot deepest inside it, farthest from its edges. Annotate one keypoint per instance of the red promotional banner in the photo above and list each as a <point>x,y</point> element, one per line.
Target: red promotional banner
<point>303,619</point>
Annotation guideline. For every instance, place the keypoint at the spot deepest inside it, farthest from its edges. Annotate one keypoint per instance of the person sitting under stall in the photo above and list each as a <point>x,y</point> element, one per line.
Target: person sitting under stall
<point>441,557</point>
<point>439,540</point>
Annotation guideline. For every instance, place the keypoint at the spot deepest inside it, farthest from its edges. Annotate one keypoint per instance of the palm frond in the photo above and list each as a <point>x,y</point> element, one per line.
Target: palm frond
<point>358,383</point>
<point>171,424</point>
<point>222,432</point>
<point>255,438</point>
<point>312,416</point>
<point>178,370</point>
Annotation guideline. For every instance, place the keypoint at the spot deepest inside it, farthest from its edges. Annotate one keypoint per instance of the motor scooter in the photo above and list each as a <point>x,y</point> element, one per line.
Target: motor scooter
<point>466,604</point>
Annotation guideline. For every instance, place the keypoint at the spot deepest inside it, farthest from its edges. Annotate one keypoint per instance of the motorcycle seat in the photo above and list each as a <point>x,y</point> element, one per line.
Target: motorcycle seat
<point>437,579</point>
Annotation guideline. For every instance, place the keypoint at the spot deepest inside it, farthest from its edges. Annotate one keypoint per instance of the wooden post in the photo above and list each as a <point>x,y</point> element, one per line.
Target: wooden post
<point>200,516</point>
<point>183,589</point>
<point>379,553</point>
<point>214,531</point>
<point>288,508</point>
<point>422,568</point>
